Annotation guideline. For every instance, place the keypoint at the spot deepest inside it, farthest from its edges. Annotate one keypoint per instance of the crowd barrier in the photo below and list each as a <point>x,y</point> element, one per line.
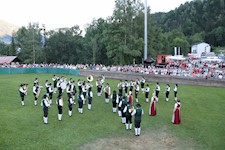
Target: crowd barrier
<point>156,78</point>
<point>39,70</point>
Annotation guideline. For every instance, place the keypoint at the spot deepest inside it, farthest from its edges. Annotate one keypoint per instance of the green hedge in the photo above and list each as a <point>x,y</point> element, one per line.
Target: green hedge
<point>39,70</point>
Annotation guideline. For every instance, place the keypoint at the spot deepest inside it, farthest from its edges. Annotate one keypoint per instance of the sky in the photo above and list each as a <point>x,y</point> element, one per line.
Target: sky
<point>67,13</point>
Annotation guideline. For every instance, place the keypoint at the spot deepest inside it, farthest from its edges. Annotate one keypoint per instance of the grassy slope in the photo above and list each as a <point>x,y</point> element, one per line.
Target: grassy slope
<point>22,127</point>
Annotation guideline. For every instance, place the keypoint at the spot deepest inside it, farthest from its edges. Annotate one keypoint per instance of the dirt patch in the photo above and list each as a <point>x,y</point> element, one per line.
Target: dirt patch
<point>147,141</point>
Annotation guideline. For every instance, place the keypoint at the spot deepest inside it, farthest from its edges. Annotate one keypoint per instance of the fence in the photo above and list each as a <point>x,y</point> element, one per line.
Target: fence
<point>39,70</point>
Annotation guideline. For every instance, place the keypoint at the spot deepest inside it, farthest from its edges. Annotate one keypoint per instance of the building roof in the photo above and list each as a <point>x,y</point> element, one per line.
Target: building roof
<point>7,59</point>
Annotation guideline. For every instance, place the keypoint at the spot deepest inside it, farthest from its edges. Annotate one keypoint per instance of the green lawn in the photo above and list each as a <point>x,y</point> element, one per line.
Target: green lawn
<point>203,117</point>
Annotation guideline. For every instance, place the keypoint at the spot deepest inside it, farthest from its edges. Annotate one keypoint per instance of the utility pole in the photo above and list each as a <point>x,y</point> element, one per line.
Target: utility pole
<point>145,32</point>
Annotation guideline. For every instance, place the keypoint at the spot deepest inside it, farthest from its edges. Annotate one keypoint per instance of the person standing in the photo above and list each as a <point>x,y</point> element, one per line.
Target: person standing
<point>59,87</point>
<point>74,90</point>
<point>142,81</point>
<point>90,96</point>
<point>176,118</point>
<point>35,92</point>
<point>60,106</point>
<point>136,91</point>
<point>137,113</point>
<point>23,92</point>
<point>107,91</point>
<point>128,110</point>
<point>167,92</point>
<point>55,80</point>
<point>126,86</point>
<point>45,103</point>
<point>152,109</point>
<point>115,100</point>
<point>70,105</point>
<point>130,98</point>
<point>80,102</point>
<point>46,86</point>
<point>157,90</point>
<point>147,89</point>
<point>50,90</point>
<point>175,92</point>
<point>123,104</point>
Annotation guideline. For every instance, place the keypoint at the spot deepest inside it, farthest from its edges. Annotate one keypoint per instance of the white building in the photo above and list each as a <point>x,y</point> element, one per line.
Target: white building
<point>199,48</point>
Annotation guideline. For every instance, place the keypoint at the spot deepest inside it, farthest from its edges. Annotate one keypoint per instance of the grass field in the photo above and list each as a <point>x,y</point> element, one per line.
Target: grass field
<point>22,128</point>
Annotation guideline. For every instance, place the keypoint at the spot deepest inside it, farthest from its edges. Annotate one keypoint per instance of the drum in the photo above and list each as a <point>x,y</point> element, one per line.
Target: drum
<point>63,85</point>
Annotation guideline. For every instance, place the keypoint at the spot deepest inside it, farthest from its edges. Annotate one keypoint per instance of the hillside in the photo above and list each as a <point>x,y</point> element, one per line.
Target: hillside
<point>7,28</point>
<point>198,17</point>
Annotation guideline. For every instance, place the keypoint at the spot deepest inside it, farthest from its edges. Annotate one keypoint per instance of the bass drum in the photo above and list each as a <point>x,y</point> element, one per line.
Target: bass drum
<point>63,85</point>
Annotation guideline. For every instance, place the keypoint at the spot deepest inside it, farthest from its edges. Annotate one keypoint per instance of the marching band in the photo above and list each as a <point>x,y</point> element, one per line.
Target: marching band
<point>122,100</point>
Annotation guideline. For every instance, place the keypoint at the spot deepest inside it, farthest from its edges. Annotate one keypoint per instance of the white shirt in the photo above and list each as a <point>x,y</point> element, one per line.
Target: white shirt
<point>134,112</point>
<point>60,102</point>
<point>168,88</point>
<point>50,89</point>
<point>175,89</point>
<point>22,90</point>
<point>147,89</point>
<point>34,90</point>
<point>157,88</point>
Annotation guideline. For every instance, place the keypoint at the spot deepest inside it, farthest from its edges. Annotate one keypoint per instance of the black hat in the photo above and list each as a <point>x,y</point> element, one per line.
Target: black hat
<point>138,105</point>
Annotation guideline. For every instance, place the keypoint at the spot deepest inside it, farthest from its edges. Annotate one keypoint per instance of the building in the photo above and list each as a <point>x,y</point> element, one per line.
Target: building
<point>200,48</point>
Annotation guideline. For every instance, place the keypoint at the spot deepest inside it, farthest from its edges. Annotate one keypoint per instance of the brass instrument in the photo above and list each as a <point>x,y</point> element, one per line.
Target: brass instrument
<point>90,78</point>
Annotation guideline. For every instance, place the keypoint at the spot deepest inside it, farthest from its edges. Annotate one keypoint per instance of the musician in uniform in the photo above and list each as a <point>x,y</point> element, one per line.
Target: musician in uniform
<point>147,89</point>
<point>90,96</point>
<point>36,81</point>
<point>74,90</point>
<point>157,90</point>
<point>115,99</point>
<point>68,89</point>
<point>119,106</point>
<point>136,91</point>
<point>84,91</point>
<point>131,84</point>
<point>99,87</point>
<point>142,84</point>
<point>107,91</point>
<point>70,105</point>
<point>50,90</point>
<point>120,88</point>
<point>47,85</point>
<point>80,102</point>
<point>23,92</point>
<point>123,104</point>
<point>46,105</point>
<point>128,110</point>
<point>167,92</point>
<point>60,106</point>
<point>175,92</point>
<point>126,85</point>
<point>137,113</point>
<point>59,87</point>
<point>79,84</point>
<point>55,80</point>
<point>35,92</point>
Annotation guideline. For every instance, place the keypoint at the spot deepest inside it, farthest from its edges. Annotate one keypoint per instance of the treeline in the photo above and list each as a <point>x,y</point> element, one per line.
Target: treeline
<point>119,39</point>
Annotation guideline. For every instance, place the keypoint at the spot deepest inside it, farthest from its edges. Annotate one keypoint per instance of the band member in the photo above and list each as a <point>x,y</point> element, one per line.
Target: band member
<point>157,90</point>
<point>126,85</point>
<point>142,84</point>
<point>70,81</point>
<point>131,84</point>
<point>35,92</point>
<point>80,102</point>
<point>59,87</point>
<point>47,85</point>
<point>138,112</point>
<point>50,90</point>
<point>119,106</point>
<point>147,89</point>
<point>136,91</point>
<point>99,87</point>
<point>123,104</point>
<point>79,84</point>
<point>36,81</point>
<point>90,96</point>
<point>175,92</point>
<point>60,106</point>
<point>167,92</point>
<point>128,110</point>
<point>55,80</point>
<point>74,90</point>
<point>68,89</point>
<point>46,105</point>
<point>176,119</point>
<point>107,91</point>
<point>70,105</point>
<point>152,108</point>
<point>84,91</point>
<point>120,88</point>
<point>115,99</point>
<point>23,92</point>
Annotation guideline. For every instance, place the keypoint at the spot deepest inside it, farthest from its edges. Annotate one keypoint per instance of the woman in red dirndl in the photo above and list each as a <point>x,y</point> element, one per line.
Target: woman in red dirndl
<point>176,119</point>
<point>152,108</point>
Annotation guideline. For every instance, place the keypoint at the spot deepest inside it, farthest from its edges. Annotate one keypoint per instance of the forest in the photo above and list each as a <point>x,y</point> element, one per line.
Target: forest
<point>119,39</point>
